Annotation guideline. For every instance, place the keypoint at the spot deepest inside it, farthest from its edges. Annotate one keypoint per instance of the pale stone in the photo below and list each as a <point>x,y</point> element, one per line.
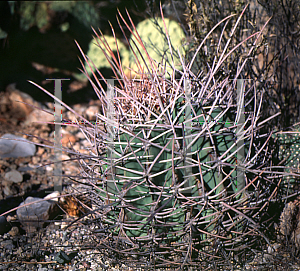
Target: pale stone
<point>13,176</point>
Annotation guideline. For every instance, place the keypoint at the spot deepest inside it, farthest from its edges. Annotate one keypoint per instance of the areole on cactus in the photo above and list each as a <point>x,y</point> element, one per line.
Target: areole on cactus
<point>180,174</point>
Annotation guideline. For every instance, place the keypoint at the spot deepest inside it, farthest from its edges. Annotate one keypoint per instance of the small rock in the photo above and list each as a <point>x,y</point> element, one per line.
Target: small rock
<point>49,168</point>
<point>37,116</point>
<point>77,146</point>
<point>25,168</point>
<point>273,248</point>
<point>36,160</point>
<point>86,264</point>
<point>86,143</point>
<point>80,135</point>
<point>40,151</point>
<point>14,231</point>
<point>68,140</point>
<point>14,176</point>
<point>61,257</point>
<point>15,146</point>
<point>53,196</point>
<point>10,218</point>
<point>7,189</point>
<point>83,151</point>
<point>7,244</point>
<point>65,157</point>
<point>33,216</point>
<point>91,112</point>
<point>20,102</point>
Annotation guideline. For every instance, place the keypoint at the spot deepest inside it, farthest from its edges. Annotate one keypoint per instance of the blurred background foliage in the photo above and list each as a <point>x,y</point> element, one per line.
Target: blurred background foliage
<point>37,42</point>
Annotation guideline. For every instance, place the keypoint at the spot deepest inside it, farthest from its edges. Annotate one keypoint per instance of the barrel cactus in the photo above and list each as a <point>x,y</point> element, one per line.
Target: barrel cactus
<point>177,176</point>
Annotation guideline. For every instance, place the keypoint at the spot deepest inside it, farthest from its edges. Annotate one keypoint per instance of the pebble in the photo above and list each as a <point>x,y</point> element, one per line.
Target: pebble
<point>7,190</point>
<point>68,140</point>
<point>53,196</point>
<point>11,147</point>
<point>39,116</point>
<point>33,216</point>
<point>92,111</point>
<point>18,99</point>
<point>7,244</point>
<point>14,231</point>
<point>13,176</point>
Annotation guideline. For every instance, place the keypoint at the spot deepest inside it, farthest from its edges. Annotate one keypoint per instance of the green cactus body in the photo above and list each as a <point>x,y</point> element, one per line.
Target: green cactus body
<point>211,172</point>
<point>173,167</point>
<point>140,190</point>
